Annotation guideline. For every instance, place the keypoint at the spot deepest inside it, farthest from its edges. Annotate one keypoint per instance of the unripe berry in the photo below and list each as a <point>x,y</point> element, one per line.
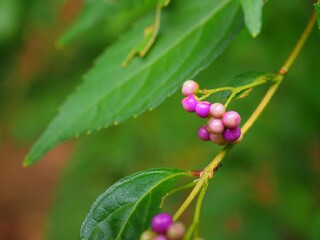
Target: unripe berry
<point>231,119</point>
<point>218,139</point>
<point>217,110</point>
<point>190,87</point>
<point>231,134</point>
<point>161,222</point>
<point>176,231</point>
<point>203,109</point>
<point>189,103</point>
<point>161,237</point>
<point>215,126</point>
<point>148,235</point>
<point>203,133</point>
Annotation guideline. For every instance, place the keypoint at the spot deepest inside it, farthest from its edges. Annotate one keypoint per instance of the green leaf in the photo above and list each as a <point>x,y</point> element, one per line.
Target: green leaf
<point>317,7</point>
<point>252,15</point>
<point>95,12</point>
<point>124,211</point>
<point>247,78</point>
<point>111,94</point>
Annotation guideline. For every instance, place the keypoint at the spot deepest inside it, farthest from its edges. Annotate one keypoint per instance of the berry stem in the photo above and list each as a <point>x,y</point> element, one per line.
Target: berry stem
<point>194,228</point>
<point>179,189</point>
<point>208,172</point>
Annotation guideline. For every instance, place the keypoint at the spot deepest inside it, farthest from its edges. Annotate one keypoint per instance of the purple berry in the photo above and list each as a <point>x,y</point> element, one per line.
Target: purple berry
<point>218,139</point>
<point>217,110</point>
<point>215,126</point>
<point>189,103</point>
<point>176,231</point>
<point>203,109</point>
<point>231,119</point>
<point>203,133</point>
<point>231,134</point>
<point>190,87</point>
<point>148,235</point>
<point>161,237</point>
<point>161,222</point>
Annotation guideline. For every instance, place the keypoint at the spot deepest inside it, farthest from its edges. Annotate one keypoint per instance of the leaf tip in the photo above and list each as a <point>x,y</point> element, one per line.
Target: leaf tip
<point>26,162</point>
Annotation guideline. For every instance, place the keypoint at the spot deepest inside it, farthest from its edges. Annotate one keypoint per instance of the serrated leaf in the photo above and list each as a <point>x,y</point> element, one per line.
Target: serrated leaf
<point>317,7</point>
<point>96,11</point>
<point>111,94</point>
<point>252,15</point>
<point>244,79</point>
<point>124,211</point>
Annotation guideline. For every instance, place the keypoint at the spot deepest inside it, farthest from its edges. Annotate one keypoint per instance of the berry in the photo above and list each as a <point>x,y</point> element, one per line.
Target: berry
<point>189,103</point>
<point>239,140</point>
<point>231,134</point>
<point>231,119</point>
<point>161,222</point>
<point>190,87</point>
<point>176,231</point>
<point>217,138</point>
<point>203,133</point>
<point>161,237</point>
<point>203,109</point>
<point>215,126</point>
<point>217,110</point>
<point>148,235</point>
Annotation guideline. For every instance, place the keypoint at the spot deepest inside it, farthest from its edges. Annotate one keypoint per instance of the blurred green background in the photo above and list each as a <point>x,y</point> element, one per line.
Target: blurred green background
<point>269,185</point>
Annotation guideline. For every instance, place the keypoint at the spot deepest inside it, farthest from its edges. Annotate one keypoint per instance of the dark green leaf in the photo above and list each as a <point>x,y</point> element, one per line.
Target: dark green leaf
<point>124,211</point>
<point>96,11</point>
<point>244,79</point>
<point>317,7</point>
<point>193,34</point>
<point>253,15</point>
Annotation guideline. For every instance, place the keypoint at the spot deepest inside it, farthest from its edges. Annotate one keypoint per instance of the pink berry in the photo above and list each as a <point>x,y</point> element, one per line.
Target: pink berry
<point>231,134</point>
<point>203,109</point>
<point>215,126</point>
<point>161,237</point>
<point>189,103</point>
<point>217,110</point>
<point>190,87</point>
<point>148,235</point>
<point>231,119</point>
<point>218,139</point>
<point>176,231</point>
<point>161,222</point>
<point>203,133</point>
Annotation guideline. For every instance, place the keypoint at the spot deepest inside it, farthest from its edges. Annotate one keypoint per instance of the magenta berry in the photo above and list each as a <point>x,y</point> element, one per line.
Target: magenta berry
<point>176,231</point>
<point>189,103</point>
<point>148,235</point>
<point>190,87</point>
<point>231,119</point>
<point>203,133</point>
<point>215,126</point>
<point>161,222</point>
<point>203,109</point>
<point>231,134</point>
<point>217,110</point>
<point>217,138</point>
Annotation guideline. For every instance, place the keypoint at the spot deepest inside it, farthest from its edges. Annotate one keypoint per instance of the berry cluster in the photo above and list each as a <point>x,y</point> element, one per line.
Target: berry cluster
<point>222,127</point>
<point>163,228</point>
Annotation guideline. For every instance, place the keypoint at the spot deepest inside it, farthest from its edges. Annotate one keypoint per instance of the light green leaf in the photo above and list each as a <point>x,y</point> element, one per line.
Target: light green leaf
<point>317,7</point>
<point>96,11</point>
<point>193,34</point>
<point>252,15</point>
<point>124,211</point>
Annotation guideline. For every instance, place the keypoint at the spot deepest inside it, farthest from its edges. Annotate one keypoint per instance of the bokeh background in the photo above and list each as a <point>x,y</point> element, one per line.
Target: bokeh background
<point>268,187</point>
